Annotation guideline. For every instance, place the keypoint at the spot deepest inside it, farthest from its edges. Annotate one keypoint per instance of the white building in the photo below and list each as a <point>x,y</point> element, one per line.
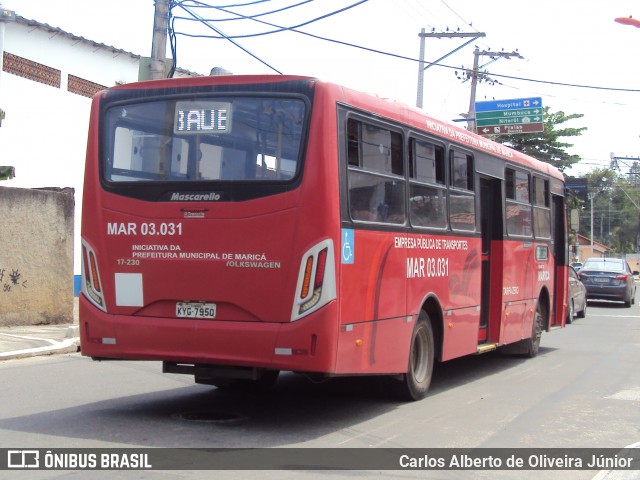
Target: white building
<point>47,79</point>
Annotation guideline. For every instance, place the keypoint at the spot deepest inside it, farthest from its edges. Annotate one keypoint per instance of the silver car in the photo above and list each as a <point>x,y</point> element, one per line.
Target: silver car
<point>577,303</point>
<point>608,279</point>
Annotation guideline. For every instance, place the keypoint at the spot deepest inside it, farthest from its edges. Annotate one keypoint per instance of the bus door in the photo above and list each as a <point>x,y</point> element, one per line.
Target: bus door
<point>492,232</point>
<point>560,256</point>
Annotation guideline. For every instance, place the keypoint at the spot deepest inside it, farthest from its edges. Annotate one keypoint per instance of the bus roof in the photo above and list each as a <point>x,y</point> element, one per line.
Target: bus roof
<point>388,108</point>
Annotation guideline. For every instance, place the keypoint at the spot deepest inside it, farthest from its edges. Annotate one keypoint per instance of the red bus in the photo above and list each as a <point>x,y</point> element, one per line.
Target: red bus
<point>238,226</point>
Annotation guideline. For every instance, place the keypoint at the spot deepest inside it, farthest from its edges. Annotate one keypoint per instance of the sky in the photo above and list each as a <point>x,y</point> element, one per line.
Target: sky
<point>575,56</point>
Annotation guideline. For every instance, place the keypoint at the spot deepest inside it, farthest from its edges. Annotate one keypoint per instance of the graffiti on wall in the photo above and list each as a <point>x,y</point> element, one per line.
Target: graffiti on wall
<point>11,280</point>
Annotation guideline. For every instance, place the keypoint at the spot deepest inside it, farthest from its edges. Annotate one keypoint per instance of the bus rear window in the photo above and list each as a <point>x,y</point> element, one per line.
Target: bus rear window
<point>221,139</point>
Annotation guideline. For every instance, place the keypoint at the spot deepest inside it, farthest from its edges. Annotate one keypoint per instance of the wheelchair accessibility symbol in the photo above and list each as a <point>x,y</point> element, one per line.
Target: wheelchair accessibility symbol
<point>348,247</point>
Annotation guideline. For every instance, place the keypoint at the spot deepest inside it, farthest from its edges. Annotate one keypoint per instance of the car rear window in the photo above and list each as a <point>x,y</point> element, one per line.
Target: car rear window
<point>608,265</point>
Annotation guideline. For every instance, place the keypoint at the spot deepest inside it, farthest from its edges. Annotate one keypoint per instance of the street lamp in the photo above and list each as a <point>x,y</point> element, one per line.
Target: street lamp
<point>628,21</point>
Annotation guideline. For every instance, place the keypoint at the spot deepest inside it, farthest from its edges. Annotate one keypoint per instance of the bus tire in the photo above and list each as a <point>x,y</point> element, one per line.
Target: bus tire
<point>529,347</point>
<point>414,384</point>
<point>533,343</point>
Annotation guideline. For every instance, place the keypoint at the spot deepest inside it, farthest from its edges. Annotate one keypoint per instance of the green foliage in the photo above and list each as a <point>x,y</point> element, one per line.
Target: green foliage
<point>546,145</point>
<point>616,210</point>
<point>7,173</point>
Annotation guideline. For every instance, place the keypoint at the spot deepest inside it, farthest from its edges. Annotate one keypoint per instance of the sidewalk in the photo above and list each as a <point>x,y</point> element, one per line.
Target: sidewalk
<point>34,340</point>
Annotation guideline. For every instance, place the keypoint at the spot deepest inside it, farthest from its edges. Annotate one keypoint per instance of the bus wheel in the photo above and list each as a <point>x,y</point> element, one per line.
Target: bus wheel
<point>414,384</point>
<point>529,347</point>
<point>533,343</point>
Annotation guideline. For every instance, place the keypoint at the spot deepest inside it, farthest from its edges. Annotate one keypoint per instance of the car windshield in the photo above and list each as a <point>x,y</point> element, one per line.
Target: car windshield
<point>604,264</point>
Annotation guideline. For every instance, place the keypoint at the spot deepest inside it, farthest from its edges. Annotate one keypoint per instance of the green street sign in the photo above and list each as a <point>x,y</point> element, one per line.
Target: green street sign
<point>510,113</point>
<point>513,120</point>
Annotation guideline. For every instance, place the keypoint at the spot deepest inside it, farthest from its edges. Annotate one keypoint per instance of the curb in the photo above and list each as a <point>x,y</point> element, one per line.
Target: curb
<point>71,344</point>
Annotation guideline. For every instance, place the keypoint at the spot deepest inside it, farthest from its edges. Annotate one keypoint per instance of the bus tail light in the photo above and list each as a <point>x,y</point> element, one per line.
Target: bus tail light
<point>91,285</point>
<point>316,280</point>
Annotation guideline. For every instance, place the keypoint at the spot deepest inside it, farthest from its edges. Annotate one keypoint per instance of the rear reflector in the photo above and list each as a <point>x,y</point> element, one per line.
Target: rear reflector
<point>317,264</point>
<point>91,285</point>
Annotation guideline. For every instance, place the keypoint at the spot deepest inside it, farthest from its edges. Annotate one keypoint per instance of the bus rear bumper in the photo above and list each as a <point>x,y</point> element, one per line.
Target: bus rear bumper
<point>305,345</point>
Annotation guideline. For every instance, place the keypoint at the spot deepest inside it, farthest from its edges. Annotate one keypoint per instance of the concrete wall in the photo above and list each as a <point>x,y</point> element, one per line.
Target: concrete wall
<point>36,256</point>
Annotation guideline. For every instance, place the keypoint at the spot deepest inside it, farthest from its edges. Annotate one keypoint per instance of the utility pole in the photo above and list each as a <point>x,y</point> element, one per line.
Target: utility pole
<point>615,163</point>
<point>591,195</point>
<point>475,76</point>
<point>422,65</point>
<point>471,117</point>
<point>159,40</point>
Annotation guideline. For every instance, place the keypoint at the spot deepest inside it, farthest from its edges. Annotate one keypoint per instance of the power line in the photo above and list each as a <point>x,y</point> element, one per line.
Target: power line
<point>254,2</point>
<point>294,29</point>
<point>219,32</point>
<point>277,27</point>
<point>223,8</point>
<point>470,24</point>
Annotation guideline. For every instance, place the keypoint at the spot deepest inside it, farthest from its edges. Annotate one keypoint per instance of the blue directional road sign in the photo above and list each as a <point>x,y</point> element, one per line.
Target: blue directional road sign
<point>516,115</point>
<point>512,104</point>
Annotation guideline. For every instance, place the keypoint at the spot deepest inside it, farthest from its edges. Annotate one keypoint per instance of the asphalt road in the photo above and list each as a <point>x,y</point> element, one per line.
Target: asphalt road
<point>583,390</point>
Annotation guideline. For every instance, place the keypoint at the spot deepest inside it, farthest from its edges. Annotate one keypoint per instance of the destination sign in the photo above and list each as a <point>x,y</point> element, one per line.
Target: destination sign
<point>204,116</point>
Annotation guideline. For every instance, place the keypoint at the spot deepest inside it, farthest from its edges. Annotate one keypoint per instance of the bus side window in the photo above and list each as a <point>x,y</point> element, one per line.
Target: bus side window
<point>375,173</point>
<point>361,200</point>
<point>518,203</point>
<point>462,213</point>
<point>353,150</point>
<point>541,209</point>
<point>428,198</point>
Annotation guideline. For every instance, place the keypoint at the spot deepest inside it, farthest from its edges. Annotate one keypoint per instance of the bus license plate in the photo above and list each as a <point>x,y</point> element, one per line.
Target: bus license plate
<point>195,310</point>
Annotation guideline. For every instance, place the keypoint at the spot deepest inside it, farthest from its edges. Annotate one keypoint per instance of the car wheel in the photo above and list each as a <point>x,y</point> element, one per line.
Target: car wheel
<point>583,313</point>
<point>570,312</point>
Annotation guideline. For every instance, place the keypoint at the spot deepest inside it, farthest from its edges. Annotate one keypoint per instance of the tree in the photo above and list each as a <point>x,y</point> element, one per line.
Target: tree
<point>7,173</point>
<point>616,209</point>
<point>546,145</point>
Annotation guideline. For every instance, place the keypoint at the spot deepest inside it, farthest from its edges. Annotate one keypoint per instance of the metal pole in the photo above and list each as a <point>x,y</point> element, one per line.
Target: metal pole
<point>471,118</point>
<point>422,64</point>
<point>591,195</point>
<point>421,70</point>
<point>159,40</point>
